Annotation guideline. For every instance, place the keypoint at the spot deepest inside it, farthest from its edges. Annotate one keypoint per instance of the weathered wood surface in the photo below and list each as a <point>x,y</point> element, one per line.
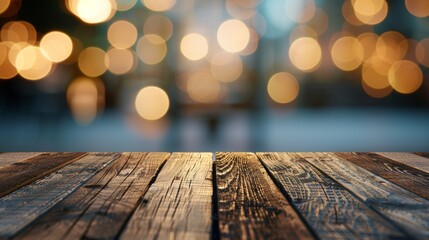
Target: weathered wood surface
<point>178,205</point>
<point>8,158</point>
<point>190,196</point>
<point>250,206</point>
<point>21,173</point>
<point>410,159</point>
<point>402,175</point>
<point>407,210</point>
<point>330,210</point>
<point>23,206</point>
<point>106,200</point>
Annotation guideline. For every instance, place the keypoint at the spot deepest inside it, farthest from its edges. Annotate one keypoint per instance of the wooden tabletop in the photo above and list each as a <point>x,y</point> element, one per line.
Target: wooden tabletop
<point>210,196</point>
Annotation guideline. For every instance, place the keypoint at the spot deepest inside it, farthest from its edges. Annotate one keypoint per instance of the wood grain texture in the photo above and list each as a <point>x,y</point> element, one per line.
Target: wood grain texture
<point>407,210</point>
<point>23,206</point>
<point>250,206</point>
<point>410,159</point>
<point>24,172</point>
<point>402,175</point>
<point>178,204</point>
<point>99,209</point>
<point>8,158</point>
<point>330,210</point>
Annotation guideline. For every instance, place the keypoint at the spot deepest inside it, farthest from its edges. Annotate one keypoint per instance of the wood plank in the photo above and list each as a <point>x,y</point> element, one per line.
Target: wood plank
<point>407,210</point>
<point>402,175</point>
<point>410,159</point>
<point>22,173</point>
<point>423,154</point>
<point>100,208</point>
<point>250,206</point>
<point>178,204</point>
<point>8,158</point>
<point>23,206</point>
<point>330,210</point>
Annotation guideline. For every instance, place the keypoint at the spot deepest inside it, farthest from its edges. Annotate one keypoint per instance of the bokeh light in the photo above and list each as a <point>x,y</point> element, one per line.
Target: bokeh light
<point>233,35</point>
<point>347,53</point>
<point>159,5</point>
<point>375,71</point>
<point>4,5</point>
<point>226,67</point>
<point>283,87</point>
<point>305,54</point>
<point>151,49</point>
<point>422,52</point>
<point>203,87</point>
<point>159,25</point>
<point>122,34</point>
<point>85,97</point>
<point>194,46</point>
<point>152,103</point>
<point>125,5</point>
<point>419,8</point>
<point>392,45</point>
<point>120,61</point>
<point>92,62</point>
<point>31,64</point>
<point>93,11</point>
<point>405,77</point>
<point>57,46</point>
<point>8,70</point>
<point>18,31</point>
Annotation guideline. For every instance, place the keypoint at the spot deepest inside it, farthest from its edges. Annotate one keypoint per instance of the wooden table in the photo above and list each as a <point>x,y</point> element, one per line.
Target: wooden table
<point>222,195</point>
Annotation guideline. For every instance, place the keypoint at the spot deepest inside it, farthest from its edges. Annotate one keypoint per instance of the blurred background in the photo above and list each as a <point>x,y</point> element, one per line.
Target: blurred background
<point>227,75</point>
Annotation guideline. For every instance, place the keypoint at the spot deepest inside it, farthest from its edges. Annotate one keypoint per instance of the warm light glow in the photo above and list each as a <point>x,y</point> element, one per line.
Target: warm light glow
<point>122,34</point>
<point>203,87</point>
<point>241,9</point>
<point>283,87</point>
<point>392,45</point>
<point>306,11</point>
<point>194,46</point>
<point>152,103</point>
<point>419,8</point>
<point>31,64</point>
<point>85,97</point>
<point>347,53</point>
<point>92,62</point>
<point>56,46</point>
<point>305,54</point>
<point>125,5</point>
<point>368,42</point>
<point>7,69</point>
<point>226,67</point>
<point>253,43</point>
<point>94,11</point>
<point>4,5</point>
<point>368,18</point>
<point>375,71</point>
<point>159,25</point>
<point>422,52</point>
<point>233,35</point>
<point>159,5</point>
<point>120,61</point>
<point>19,31</point>
<point>151,49</point>
<point>405,77</point>
<point>302,31</point>
<point>319,23</point>
<point>367,7</point>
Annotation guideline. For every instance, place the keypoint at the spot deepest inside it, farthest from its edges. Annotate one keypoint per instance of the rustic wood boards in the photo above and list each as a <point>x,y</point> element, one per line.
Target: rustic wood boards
<point>214,196</point>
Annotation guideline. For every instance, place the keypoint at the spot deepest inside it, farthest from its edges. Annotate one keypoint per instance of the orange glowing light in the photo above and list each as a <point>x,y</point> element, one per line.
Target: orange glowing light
<point>283,87</point>
<point>152,103</point>
<point>120,61</point>
<point>347,53</point>
<point>203,87</point>
<point>57,46</point>
<point>305,54</point>
<point>92,62</point>
<point>151,49</point>
<point>226,67</point>
<point>233,35</point>
<point>419,8</point>
<point>194,46</point>
<point>405,77</point>
<point>122,34</point>
<point>31,64</point>
<point>159,25</point>
<point>159,5</point>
